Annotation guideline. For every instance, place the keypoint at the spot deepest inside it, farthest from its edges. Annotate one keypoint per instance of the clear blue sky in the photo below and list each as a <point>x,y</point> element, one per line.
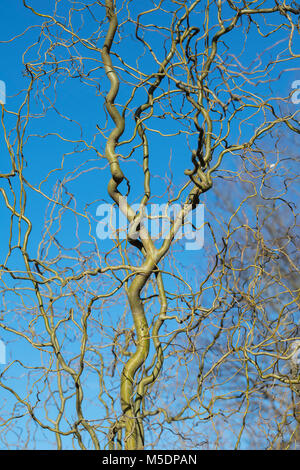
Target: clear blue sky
<point>82,104</point>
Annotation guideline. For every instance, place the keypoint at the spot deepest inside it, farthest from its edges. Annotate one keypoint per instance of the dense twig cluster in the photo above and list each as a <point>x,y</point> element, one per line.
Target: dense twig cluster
<point>131,343</point>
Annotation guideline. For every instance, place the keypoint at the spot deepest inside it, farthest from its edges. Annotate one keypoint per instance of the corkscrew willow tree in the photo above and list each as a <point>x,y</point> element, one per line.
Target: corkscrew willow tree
<point>143,340</point>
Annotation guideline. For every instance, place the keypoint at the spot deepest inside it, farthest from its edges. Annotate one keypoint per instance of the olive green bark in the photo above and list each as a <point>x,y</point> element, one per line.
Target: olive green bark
<point>133,392</point>
<point>136,305</point>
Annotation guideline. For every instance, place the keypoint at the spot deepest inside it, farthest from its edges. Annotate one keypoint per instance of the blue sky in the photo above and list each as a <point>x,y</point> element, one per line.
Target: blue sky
<point>82,104</point>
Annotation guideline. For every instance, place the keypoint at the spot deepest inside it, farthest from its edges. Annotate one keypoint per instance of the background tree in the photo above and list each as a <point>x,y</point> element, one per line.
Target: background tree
<point>137,341</point>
